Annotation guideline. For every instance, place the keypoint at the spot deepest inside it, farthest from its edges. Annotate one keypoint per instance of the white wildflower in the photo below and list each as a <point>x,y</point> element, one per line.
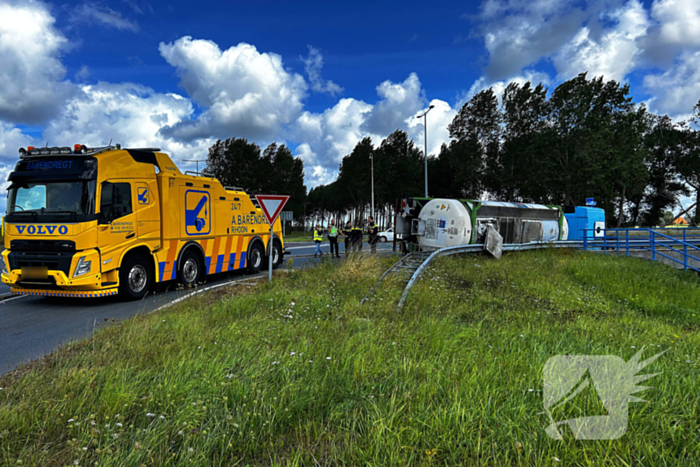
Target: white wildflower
<point>150,414</point>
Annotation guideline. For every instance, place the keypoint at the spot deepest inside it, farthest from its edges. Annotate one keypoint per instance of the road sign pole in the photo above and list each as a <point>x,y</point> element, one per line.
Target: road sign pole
<point>271,206</point>
<point>269,276</point>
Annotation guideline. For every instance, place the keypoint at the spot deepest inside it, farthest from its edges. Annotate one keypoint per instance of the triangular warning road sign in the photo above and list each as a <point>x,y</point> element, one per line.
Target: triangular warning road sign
<point>272,205</point>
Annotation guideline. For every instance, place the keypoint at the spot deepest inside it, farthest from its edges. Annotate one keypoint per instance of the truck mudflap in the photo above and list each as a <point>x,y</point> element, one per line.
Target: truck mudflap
<point>65,293</point>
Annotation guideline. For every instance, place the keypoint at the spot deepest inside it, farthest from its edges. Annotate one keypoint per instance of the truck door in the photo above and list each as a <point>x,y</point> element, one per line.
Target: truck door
<point>147,211</point>
<point>116,228</point>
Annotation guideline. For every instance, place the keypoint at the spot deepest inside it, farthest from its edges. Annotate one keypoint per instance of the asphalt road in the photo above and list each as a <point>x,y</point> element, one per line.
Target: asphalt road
<point>34,326</point>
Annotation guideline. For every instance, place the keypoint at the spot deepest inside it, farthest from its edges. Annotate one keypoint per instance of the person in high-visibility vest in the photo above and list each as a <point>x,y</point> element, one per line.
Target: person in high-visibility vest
<point>318,238</point>
<point>333,238</point>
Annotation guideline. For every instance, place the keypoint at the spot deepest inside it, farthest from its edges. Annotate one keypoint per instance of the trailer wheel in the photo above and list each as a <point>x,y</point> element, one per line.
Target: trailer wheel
<point>135,277</point>
<point>276,254</point>
<point>255,259</point>
<point>190,269</point>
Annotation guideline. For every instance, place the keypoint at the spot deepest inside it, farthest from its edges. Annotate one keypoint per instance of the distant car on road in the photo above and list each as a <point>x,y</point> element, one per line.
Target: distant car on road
<point>387,235</point>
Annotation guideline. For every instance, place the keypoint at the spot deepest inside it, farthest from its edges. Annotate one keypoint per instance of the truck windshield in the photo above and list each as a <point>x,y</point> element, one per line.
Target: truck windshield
<point>51,198</point>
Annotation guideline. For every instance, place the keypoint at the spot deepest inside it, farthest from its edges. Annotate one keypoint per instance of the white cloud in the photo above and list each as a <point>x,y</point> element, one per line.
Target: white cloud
<point>245,92</point>
<point>612,55</point>
<point>399,102</point>
<point>328,137</point>
<point>679,21</point>
<point>315,173</point>
<point>609,38</point>
<point>439,117</point>
<point>677,90</point>
<point>518,33</point>
<point>30,68</point>
<point>600,38</point>
<point>313,64</point>
<point>333,134</point>
<point>11,139</point>
<point>94,12</point>
<point>128,114</point>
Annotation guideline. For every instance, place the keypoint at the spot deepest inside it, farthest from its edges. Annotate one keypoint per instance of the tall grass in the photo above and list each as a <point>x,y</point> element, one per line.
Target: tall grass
<point>298,373</point>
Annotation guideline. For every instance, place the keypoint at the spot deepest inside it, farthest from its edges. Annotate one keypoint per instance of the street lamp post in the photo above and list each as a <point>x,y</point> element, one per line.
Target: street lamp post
<point>425,140</point>
<point>196,161</point>
<point>372,161</point>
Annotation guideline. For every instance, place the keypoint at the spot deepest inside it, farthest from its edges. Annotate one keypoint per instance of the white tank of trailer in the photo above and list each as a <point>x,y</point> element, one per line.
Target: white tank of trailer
<point>447,223</point>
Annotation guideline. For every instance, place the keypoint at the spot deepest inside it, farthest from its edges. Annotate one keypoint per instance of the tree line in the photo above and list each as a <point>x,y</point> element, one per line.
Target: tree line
<point>585,139</point>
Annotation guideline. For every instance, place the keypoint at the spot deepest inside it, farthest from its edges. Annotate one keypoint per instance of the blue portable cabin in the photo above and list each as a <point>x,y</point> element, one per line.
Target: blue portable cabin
<point>585,219</point>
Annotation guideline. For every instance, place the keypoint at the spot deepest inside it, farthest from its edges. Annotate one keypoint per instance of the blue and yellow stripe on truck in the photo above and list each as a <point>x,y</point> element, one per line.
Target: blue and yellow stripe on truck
<point>65,293</point>
<point>222,253</point>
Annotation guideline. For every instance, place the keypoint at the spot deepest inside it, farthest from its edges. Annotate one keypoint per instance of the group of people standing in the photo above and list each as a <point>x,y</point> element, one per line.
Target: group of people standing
<point>353,235</point>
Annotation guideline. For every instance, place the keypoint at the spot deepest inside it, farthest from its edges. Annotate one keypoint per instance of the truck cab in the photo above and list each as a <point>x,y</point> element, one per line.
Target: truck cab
<point>97,222</point>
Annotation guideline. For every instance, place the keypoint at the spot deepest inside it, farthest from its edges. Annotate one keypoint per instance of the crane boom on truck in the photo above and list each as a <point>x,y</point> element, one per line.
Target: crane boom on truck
<point>107,221</point>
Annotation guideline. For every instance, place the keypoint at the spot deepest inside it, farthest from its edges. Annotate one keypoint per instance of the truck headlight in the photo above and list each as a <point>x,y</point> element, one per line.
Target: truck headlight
<point>82,268</point>
<point>4,265</point>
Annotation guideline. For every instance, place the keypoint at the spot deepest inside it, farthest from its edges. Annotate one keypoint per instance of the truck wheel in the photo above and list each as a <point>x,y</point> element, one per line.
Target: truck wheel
<point>255,259</point>
<point>276,254</point>
<point>190,271</point>
<point>135,278</point>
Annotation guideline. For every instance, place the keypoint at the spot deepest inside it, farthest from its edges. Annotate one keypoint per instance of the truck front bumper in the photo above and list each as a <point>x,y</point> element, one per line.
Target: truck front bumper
<point>56,283</point>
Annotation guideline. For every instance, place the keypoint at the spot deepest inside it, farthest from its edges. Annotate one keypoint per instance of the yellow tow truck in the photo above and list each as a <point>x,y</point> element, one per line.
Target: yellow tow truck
<point>84,222</point>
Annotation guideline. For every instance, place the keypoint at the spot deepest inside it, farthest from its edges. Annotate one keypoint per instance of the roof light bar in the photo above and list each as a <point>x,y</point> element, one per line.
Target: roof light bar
<point>65,150</point>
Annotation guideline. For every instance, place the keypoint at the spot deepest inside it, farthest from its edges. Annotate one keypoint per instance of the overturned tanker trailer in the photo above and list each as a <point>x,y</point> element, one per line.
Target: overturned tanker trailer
<point>433,223</point>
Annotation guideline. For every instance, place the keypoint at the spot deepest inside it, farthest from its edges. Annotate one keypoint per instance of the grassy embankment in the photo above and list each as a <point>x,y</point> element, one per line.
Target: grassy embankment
<point>298,373</point>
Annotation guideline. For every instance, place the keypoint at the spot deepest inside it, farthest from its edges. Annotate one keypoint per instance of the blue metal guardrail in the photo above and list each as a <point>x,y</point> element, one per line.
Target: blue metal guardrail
<point>671,243</point>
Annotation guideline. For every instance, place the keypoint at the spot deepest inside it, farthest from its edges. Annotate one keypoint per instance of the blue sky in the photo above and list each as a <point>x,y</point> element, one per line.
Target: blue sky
<point>318,76</point>
<point>362,46</point>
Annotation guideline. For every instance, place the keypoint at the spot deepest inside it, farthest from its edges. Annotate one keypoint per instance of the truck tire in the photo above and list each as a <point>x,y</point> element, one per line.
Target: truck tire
<point>276,254</point>
<point>190,269</point>
<point>255,259</point>
<point>135,277</point>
